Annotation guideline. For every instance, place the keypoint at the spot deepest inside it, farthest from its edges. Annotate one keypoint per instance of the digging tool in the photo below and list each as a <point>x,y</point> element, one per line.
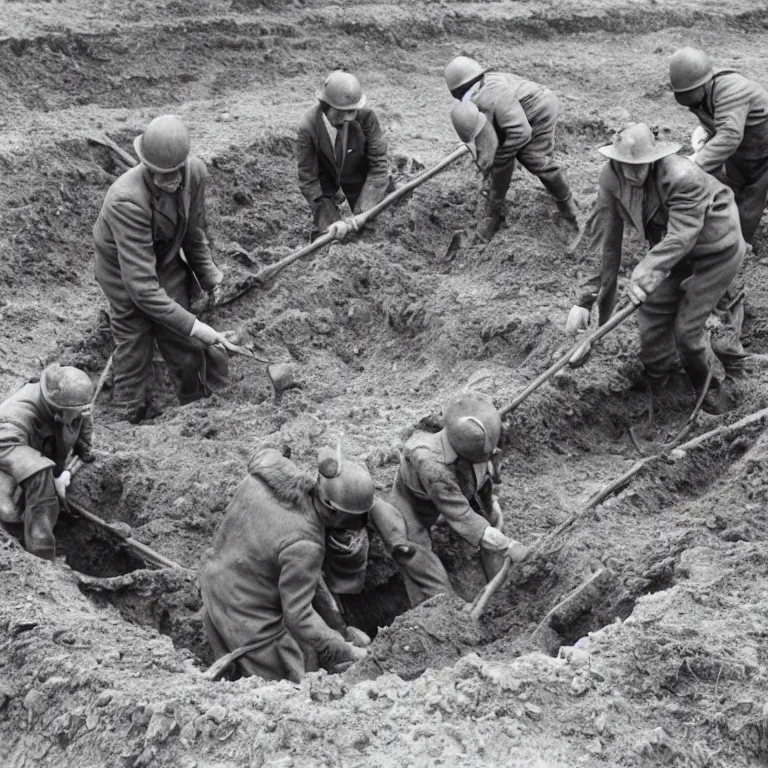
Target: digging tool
<point>119,530</point>
<point>280,374</point>
<point>488,591</point>
<point>105,141</point>
<point>619,317</point>
<point>268,273</point>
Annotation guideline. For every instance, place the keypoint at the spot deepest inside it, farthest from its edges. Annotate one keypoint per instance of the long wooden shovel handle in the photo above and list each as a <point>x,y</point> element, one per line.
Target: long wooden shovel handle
<point>607,327</point>
<point>220,666</point>
<point>268,273</point>
<point>489,590</point>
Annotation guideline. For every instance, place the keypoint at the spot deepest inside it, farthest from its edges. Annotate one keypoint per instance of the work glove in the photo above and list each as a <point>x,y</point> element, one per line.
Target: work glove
<point>61,483</point>
<point>581,355</point>
<point>636,294</point>
<point>211,337</point>
<point>357,653</point>
<point>699,138</point>
<point>494,540</point>
<point>84,453</point>
<point>578,319</point>
<point>357,637</point>
<point>340,229</point>
<point>517,552</point>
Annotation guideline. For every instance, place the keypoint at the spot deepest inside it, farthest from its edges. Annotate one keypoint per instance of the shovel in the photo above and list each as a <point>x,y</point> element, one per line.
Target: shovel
<point>281,375</point>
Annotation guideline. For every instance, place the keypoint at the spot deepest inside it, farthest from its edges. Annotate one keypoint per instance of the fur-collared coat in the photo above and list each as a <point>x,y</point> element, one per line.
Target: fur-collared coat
<point>259,576</point>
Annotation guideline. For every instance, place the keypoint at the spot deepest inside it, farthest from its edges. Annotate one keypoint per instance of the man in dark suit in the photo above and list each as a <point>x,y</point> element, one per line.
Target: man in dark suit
<point>341,153</point>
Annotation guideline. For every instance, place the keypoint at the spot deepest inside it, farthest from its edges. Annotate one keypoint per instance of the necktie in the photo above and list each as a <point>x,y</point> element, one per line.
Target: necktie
<point>339,147</point>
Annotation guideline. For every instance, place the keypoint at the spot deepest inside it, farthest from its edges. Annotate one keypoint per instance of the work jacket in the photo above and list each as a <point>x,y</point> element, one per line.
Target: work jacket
<point>735,115</point>
<point>681,211</point>
<point>259,576</point>
<point>435,481</point>
<point>364,163</point>
<point>512,105</point>
<point>32,440</point>
<point>139,234</point>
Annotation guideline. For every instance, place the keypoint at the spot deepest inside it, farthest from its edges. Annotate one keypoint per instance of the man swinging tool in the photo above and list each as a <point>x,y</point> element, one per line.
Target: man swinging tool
<point>448,473</point>
<point>691,223</point>
<point>39,426</point>
<point>515,120</point>
<point>261,578</point>
<point>731,143</point>
<point>341,153</point>
<point>150,215</point>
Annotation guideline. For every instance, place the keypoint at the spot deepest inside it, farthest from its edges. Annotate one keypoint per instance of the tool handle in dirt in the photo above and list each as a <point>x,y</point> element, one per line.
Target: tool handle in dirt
<point>618,318</point>
<point>146,552</point>
<point>105,141</point>
<point>268,273</point>
<point>362,218</point>
<point>489,590</point>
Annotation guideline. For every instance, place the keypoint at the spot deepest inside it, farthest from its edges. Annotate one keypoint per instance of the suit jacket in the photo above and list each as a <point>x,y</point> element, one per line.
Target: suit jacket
<point>138,262</point>
<point>365,162</point>
<point>735,114</point>
<point>682,212</point>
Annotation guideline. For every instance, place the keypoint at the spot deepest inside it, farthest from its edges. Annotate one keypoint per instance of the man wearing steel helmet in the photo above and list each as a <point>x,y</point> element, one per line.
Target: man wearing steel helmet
<point>152,256</point>
<point>261,578</point>
<point>516,120</point>
<point>690,222</point>
<point>731,143</point>
<point>39,425</point>
<point>449,473</point>
<point>733,111</point>
<point>341,153</point>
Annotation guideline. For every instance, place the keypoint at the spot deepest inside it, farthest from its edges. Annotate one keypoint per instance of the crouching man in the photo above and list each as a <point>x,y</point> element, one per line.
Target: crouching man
<point>261,578</point>
<point>448,473</point>
<point>39,426</point>
<point>342,153</point>
<point>691,223</point>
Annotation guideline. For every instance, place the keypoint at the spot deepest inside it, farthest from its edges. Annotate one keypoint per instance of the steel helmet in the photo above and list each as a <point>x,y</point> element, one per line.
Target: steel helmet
<point>688,69</point>
<point>473,426</point>
<point>342,91</point>
<point>468,121</point>
<point>461,71</point>
<point>65,387</point>
<point>636,145</point>
<point>343,486</point>
<point>164,146</point>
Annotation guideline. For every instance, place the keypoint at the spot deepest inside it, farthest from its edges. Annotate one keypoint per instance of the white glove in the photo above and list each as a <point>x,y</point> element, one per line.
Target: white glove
<point>517,552</point>
<point>636,294</point>
<point>577,358</point>
<point>699,137</point>
<point>357,653</point>
<point>578,319</point>
<point>211,337</point>
<point>494,540</point>
<point>61,483</point>
<point>357,637</point>
<point>340,229</point>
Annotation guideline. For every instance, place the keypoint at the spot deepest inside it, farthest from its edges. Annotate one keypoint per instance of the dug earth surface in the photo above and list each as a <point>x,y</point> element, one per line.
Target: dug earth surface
<point>662,662</point>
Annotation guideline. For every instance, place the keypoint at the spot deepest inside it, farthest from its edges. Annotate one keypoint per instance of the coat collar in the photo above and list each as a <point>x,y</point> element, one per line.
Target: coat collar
<point>323,139</point>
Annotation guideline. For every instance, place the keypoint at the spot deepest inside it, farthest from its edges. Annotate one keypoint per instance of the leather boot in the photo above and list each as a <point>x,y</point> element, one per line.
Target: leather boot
<point>716,399</point>
<point>489,226</point>
<point>41,511</point>
<point>568,208</point>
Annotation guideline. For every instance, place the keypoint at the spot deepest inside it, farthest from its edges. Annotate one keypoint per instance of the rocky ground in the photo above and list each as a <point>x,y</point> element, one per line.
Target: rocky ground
<point>101,658</point>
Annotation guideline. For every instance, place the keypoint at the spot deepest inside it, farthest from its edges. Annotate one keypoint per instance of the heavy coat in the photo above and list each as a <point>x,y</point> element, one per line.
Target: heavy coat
<point>683,213</point>
<point>363,173</point>
<point>137,246</point>
<point>259,576</point>
<point>735,114</point>
<point>31,440</point>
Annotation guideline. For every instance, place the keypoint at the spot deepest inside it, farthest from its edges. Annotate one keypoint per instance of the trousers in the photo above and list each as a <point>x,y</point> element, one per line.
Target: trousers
<point>672,319</point>
<point>748,178</point>
<point>537,157</point>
